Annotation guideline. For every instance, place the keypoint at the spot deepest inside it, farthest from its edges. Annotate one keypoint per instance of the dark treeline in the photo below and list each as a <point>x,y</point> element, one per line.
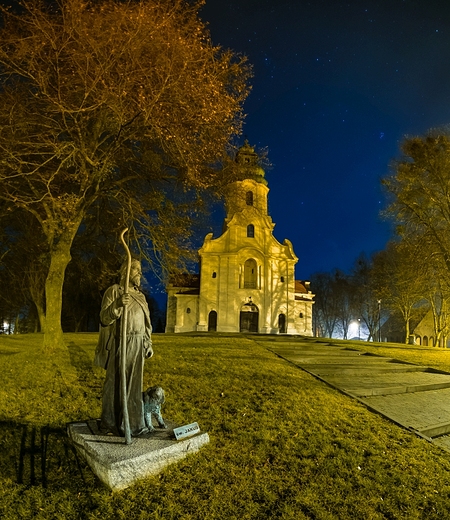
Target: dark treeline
<point>23,270</point>
<point>343,298</point>
<point>402,293</point>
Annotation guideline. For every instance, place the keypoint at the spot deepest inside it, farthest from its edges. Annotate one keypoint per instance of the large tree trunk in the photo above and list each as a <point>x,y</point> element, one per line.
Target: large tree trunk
<point>37,297</point>
<point>407,331</point>
<point>40,321</point>
<point>59,259</point>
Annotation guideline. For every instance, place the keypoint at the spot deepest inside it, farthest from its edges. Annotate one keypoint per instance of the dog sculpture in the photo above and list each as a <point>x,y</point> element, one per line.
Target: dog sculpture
<point>153,399</point>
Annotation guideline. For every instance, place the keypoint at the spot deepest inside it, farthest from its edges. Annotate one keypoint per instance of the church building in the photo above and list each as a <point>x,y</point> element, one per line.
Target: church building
<point>247,278</point>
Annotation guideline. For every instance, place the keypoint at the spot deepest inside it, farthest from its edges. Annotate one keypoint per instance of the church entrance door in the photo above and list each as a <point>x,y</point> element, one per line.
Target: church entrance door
<point>282,324</point>
<point>212,321</point>
<point>248,321</point>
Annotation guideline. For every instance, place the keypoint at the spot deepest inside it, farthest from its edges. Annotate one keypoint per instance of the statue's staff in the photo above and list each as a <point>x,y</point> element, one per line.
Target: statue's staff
<point>123,347</point>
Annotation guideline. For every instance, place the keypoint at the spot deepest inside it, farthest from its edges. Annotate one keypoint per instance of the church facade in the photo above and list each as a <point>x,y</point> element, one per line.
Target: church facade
<point>247,278</point>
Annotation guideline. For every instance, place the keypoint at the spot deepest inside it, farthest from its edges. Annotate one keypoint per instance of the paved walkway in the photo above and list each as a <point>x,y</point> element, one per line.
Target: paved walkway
<point>413,396</point>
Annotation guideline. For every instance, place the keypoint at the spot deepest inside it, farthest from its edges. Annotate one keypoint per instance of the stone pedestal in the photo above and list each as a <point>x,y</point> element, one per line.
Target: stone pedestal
<point>119,465</point>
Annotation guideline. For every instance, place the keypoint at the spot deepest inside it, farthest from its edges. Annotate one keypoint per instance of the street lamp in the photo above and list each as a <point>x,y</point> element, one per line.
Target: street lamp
<point>379,321</point>
<point>359,328</point>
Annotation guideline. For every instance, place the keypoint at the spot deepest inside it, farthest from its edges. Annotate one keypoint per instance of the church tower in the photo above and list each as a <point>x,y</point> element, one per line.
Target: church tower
<point>251,189</point>
<point>246,281</point>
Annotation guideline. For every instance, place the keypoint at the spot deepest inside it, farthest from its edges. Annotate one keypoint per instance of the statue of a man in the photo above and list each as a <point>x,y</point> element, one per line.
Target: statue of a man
<point>139,347</point>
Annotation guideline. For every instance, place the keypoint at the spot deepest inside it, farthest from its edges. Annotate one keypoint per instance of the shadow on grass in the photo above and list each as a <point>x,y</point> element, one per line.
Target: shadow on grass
<point>90,380</point>
<point>39,456</point>
<point>82,362</point>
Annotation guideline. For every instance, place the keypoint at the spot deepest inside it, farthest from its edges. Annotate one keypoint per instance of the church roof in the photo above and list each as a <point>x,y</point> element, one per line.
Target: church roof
<point>302,290</point>
<point>301,287</point>
<point>248,161</point>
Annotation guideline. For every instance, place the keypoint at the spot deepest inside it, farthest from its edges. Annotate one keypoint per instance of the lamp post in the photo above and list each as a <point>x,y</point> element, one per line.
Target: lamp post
<point>379,321</point>
<point>359,328</point>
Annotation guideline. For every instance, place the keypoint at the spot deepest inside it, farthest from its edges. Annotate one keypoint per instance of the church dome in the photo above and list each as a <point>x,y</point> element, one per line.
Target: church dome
<point>249,168</point>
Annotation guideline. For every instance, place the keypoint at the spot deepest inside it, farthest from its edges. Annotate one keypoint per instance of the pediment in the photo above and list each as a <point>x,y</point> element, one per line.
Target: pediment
<point>269,247</point>
<point>251,216</point>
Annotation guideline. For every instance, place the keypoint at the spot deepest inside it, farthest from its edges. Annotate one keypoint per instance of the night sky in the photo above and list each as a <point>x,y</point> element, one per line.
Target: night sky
<point>336,87</point>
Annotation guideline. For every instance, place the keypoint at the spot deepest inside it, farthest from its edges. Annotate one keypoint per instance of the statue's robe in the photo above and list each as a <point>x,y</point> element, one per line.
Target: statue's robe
<point>107,355</point>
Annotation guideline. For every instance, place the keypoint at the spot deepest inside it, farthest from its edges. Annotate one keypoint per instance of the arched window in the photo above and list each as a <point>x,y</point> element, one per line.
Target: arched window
<point>214,275</point>
<point>251,231</point>
<point>250,274</point>
<point>249,198</point>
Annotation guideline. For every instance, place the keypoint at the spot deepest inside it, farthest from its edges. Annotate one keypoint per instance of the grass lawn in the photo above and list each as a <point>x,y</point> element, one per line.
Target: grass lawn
<point>283,445</point>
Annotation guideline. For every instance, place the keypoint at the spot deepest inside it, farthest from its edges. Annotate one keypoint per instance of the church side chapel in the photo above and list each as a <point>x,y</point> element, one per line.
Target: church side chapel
<point>247,278</point>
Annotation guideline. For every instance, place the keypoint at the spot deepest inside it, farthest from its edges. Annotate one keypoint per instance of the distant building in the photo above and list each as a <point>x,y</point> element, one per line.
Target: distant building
<point>424,334</point>
<point>246,281</point>
<point>421,328</point>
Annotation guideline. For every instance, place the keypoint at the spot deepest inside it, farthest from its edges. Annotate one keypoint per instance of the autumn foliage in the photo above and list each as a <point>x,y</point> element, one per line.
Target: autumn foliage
<point>114,105</point>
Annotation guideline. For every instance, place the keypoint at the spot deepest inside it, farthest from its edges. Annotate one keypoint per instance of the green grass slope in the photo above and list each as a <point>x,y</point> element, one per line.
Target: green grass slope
<point>283,445</point>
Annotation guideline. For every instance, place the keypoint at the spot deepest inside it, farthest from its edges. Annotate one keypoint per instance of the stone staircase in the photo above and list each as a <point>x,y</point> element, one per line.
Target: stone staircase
<point>413,396</point>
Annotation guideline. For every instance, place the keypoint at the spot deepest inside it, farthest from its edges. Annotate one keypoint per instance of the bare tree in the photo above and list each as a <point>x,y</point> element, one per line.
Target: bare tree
<point>326,304</point>
<point>127,103</point>
<point>420,206</point>
<point>336,303</point>
<point>346,300</point>
<point>366,295</point>
<point>420,194</point>
<point>399,279</point>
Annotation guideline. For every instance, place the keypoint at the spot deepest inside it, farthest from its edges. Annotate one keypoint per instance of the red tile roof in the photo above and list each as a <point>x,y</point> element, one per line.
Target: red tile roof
<point>300,286</point>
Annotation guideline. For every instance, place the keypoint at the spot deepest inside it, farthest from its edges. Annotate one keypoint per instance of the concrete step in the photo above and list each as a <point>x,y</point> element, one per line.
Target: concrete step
<point>365,392</point>
<point>435,430</point>
<point>379,368</point>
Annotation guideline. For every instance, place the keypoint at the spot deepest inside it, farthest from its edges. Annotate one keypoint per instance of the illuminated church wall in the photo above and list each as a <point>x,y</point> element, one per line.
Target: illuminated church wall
<point>247,278</point>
